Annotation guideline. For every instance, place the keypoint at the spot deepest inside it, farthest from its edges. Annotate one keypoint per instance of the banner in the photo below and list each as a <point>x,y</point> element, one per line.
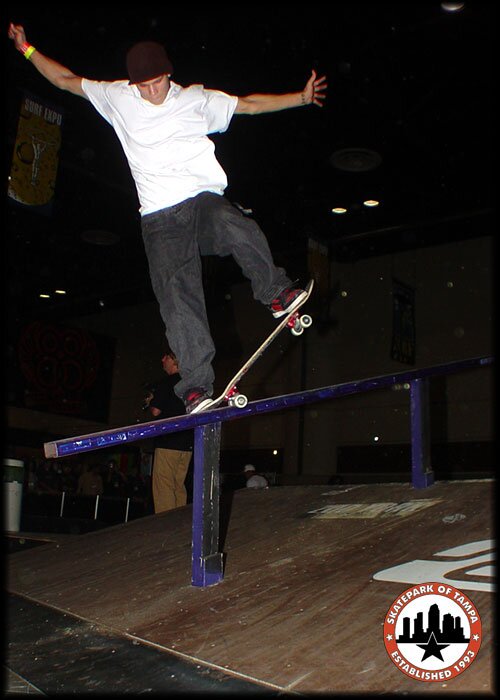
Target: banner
<point>35,159</point>
<point>403,323</point>
<point>64,370</point>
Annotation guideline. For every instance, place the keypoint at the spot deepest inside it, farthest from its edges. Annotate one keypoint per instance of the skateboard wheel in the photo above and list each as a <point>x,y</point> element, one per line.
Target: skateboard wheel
<point>297,330</point>
<point>240,401</point>
<point>306,321</point>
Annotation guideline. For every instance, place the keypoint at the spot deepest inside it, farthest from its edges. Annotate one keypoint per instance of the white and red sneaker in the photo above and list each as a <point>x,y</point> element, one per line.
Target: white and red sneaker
<point>287,301</point>
<point>197,400</point>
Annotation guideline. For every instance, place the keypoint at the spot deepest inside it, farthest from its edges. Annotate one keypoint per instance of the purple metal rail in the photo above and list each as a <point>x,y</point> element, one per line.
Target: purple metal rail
<point>207,566</point>
<point>142,431</point>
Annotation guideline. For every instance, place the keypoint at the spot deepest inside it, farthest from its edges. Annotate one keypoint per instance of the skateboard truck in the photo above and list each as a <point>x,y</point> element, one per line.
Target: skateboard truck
<point>297,323</point>
<point>234,398</point>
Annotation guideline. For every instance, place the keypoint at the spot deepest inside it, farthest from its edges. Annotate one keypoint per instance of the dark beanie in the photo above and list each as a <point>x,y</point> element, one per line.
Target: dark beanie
<point>147,60</point>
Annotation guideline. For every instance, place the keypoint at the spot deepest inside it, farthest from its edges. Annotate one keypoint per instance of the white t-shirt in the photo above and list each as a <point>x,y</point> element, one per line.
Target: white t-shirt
<point>169,153</point>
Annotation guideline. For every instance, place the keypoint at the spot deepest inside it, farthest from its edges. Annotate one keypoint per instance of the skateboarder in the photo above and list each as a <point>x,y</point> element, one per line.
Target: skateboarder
<point>163,129</point>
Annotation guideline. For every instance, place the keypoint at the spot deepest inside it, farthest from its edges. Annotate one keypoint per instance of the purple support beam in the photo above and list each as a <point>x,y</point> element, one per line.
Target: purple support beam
<point>421,469</point>
<point>207,561</point>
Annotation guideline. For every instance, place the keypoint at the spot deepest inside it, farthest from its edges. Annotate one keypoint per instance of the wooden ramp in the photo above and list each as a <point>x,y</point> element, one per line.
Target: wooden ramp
<point>310,574</point>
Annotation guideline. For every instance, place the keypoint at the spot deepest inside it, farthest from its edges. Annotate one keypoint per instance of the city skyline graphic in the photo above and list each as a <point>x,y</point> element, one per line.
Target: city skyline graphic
<point>450,631</point>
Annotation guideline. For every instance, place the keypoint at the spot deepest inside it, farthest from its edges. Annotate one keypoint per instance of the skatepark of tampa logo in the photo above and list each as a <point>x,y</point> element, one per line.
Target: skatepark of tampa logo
<point>432,632</point>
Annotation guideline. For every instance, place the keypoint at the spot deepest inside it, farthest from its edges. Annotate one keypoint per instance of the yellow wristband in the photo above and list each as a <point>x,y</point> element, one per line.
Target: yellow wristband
<point>29,51</point>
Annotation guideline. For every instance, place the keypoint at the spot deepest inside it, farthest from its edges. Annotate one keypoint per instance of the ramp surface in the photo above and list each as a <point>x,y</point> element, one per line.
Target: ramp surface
<point>310,573</point>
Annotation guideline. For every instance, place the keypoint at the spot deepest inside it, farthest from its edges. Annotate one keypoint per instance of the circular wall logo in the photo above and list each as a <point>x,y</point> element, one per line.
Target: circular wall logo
<point>432,632</point>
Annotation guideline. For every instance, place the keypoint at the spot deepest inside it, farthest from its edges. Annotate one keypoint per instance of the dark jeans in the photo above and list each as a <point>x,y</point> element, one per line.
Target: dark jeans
<point>174,238</point>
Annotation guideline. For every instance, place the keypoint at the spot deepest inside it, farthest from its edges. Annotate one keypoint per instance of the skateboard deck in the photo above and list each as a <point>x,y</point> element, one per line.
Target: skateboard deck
<point>293,320</point>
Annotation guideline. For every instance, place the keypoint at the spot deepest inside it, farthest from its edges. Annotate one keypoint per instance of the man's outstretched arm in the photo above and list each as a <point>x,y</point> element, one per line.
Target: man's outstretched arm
<point>54,72</point>
<point>313,93</point>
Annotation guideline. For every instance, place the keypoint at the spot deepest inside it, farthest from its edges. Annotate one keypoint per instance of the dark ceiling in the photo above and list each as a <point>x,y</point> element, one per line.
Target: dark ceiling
<point>407,120</point>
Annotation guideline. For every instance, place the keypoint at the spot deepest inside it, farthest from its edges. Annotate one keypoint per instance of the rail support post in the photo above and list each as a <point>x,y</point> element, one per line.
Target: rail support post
<point>421,469</point>
<point>207,561</point>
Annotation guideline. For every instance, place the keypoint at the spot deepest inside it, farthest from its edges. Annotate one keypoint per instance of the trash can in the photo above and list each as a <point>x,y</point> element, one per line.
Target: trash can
<point>13,477</point>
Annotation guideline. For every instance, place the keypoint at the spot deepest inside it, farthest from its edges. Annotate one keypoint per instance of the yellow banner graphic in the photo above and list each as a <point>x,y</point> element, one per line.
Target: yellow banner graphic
<point>36,153</point>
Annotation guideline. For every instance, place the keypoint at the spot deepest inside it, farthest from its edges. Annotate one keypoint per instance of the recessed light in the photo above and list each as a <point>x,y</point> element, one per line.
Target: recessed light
<point>453,6</point>
<point>355,160</point>
<point>339,210</point>
<point>371,203</point>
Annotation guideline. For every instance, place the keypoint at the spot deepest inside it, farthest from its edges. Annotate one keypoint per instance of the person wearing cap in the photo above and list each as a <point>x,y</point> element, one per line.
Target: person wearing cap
<point>163,129</point>
<point>254,480</point>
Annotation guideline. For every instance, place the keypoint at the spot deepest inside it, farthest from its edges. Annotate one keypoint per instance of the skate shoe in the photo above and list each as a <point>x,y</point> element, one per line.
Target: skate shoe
<point>197,400</point>
<point>287,301</point>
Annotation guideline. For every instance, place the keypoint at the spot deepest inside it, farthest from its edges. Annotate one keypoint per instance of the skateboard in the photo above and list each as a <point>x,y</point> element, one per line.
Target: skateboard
<point>295,322</point>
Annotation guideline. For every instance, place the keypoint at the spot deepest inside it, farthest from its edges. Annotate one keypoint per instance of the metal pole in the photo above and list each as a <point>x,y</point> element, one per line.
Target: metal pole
<point>207,564</point>
<point>62,503</point>
<point>96,506</point>
<point>126,510</point>
<point>421,469</point>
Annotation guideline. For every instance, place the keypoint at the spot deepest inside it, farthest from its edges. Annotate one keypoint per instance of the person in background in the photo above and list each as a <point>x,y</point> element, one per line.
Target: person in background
<point>173,451</point>
<point>254,480</point>
<point>47,480</point>
<point>114,482</point>
<point>90,482</point>
<point>69,480</point>
<point>30,476</point>
<point>136,485</point>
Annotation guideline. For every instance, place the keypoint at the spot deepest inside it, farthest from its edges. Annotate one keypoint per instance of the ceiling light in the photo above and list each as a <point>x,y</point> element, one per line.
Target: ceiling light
<point>44,296</point>
<point>371,203</point>
<point>453,6</point>
<point>355,160</point>
<point>339,210</point>
<point>60,291</point>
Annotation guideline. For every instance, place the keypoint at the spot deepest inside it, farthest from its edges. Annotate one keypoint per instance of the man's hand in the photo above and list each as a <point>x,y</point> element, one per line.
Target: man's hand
<point>147,400</point>
<point>314,91</point>
<point>312,94</point>
<point>16,33</point>
<point>60,76</point>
